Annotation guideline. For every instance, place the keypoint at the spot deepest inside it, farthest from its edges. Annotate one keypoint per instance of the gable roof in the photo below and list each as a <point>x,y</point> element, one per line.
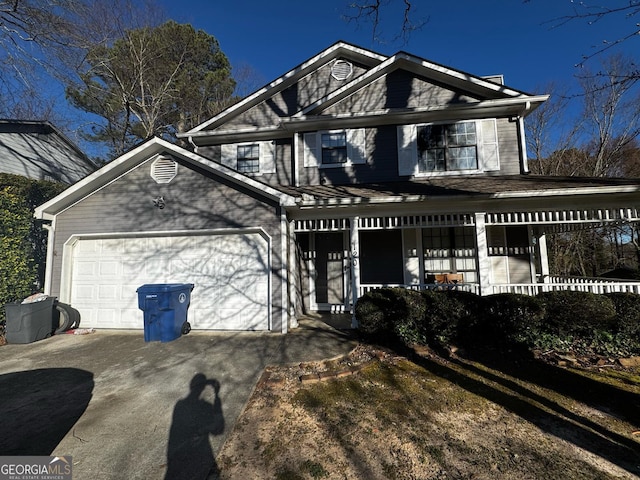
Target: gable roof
<point>337,50</point>
<point>130,160</point>
<point>38,150</point>
<point>493,98</point>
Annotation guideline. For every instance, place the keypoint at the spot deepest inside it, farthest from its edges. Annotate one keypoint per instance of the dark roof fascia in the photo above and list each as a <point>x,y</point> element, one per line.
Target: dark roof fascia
<point>364,56</point>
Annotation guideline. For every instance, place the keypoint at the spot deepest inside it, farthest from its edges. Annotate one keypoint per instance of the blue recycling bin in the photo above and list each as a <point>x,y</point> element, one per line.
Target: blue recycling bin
<point>165,308</point>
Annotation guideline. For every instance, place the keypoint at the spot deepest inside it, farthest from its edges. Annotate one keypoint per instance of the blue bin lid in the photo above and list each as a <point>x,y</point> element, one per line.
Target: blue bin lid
<point>164,287</point>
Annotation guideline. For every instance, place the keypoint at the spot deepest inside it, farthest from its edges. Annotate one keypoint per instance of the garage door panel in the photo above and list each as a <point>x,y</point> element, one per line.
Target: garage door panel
<point>230,274</point>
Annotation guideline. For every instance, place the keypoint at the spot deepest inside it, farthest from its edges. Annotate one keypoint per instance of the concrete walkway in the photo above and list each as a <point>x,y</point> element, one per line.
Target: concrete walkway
<point>118,404</point>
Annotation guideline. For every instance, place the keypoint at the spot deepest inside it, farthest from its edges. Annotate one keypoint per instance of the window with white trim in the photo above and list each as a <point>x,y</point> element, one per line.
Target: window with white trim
<point>445,148</point>
<point>334,148</point>
<point>250,158</point>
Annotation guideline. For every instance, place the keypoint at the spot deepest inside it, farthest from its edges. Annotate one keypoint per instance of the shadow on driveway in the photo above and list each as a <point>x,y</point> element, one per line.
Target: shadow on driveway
<point>39,407</point>
<point>189,453</point>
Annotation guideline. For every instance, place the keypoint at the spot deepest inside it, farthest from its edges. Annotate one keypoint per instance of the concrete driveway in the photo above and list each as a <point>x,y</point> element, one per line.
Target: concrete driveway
<point>118,405</point>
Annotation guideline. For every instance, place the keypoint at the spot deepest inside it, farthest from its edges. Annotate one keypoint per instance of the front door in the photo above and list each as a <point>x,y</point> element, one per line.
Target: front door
<point>330,271</point>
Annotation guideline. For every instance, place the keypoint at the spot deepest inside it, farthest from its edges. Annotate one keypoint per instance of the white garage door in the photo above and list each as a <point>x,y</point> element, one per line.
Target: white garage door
<point>230,274</point>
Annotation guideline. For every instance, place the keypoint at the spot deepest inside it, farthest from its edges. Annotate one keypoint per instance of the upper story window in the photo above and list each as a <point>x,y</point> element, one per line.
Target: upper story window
<point>335,148</point>
<point>448,148</point>
<point>248,158</point>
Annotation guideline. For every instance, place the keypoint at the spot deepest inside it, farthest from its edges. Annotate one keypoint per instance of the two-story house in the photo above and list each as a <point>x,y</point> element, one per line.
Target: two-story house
<point>351,171</point>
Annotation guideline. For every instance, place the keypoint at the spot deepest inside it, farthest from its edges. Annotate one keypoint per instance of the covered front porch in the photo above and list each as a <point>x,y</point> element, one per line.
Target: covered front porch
<point>341,258</point>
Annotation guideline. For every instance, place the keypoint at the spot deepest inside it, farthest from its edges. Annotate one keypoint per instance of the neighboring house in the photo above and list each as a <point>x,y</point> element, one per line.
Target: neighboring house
<point>39,151</point>
<point>352,171</point>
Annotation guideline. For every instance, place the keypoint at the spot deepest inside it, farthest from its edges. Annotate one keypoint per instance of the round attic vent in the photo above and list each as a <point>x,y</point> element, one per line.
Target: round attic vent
<point>164,169</point>
<point>341,70</point>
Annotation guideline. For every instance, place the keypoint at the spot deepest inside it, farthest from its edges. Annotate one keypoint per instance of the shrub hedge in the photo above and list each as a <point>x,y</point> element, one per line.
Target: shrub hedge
<point>603,324</point>
<point>22,239</point>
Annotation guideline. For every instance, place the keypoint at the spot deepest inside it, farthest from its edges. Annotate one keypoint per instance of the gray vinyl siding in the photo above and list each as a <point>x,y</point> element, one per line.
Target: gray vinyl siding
<point>42,156</point>
<point>397,90</point>
<point>284,162</point>
<point>382,154</point>
<point>291,100</point>
<point>194,201</point>
<point>509,147</point>
<point>212,152</point>
<point>381,151</point>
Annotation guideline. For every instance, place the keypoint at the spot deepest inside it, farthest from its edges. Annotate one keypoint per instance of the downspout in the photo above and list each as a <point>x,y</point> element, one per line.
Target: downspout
<point>523,143</point>
<point>48,272</point>
<point>190,140</point>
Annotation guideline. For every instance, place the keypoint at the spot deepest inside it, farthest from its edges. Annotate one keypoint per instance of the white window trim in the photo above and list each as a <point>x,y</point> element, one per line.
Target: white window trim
<point>356,148</point>
<point>267,156</point>
<point>408,164</point>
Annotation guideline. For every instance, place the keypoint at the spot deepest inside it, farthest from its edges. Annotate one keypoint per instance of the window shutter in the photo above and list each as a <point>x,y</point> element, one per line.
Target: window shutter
<point>267,157</point>
<point>407,150</point>
<point>229,155</point>
<point>488,145</point>
<point>356,146</point>
<point>311,146</point>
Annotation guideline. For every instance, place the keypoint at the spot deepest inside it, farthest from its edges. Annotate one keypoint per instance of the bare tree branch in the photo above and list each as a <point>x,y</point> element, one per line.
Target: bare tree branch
<point>591,14</point>
<point>375,12</point>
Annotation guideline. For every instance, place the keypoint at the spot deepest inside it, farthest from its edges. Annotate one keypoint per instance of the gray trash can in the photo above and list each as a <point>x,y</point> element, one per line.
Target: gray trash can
<point>29,322</point>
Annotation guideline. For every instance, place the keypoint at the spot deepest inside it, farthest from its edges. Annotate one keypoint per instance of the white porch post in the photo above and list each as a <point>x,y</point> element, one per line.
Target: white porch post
<point>355,267</point>
<point>544,257</point>
<point>293,277</point>
<point>484,265</point>
<point>285,277</point>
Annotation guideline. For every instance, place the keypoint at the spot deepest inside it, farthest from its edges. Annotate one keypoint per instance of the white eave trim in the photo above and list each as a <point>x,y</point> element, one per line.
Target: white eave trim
<point>132,159</point>
<point>484,108</point>
<point>416,65</point>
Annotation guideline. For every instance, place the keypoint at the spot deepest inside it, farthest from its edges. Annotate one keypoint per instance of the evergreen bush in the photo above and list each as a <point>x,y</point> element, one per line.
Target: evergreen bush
<point>578,314</point>
<point>23,241</point>
<point>510,318</point>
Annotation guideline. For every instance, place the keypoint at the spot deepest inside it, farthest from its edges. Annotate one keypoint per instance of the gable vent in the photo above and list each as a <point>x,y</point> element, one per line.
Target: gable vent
<point>341,70</point>
<point>164,169</point>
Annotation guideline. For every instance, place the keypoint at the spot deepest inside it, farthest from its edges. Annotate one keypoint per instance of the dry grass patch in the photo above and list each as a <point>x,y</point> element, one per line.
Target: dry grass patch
<point>437,418</point>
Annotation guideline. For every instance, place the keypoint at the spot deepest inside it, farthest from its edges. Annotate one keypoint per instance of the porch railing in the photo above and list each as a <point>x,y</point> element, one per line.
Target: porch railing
<point>582,284</point>
<point>467,287</point>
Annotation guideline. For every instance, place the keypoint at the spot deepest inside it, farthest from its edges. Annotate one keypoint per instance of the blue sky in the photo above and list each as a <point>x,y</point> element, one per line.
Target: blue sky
<point>484,37</point>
